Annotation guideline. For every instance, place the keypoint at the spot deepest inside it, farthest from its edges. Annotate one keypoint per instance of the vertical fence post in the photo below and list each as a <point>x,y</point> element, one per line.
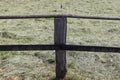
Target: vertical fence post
<point>60,29</point>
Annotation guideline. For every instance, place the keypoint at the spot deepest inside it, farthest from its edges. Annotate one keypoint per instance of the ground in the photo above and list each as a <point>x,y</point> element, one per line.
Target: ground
<point>40,65</point>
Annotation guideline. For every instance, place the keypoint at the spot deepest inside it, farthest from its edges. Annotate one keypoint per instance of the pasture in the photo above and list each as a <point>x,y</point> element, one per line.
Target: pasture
<point>39,65</point>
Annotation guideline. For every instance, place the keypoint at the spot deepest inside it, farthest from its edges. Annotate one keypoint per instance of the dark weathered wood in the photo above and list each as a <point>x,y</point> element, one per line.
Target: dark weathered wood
<point>27,47</point>
<point>59,16</point>
<point>60,29</point>
<point>59,47</point>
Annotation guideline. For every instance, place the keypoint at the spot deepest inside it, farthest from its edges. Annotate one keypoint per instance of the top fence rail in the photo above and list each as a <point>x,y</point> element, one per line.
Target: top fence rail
<point>58,16</point>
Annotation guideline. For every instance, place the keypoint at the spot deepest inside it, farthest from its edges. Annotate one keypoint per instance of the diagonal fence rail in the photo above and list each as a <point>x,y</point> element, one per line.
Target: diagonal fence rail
<point>60,46</point>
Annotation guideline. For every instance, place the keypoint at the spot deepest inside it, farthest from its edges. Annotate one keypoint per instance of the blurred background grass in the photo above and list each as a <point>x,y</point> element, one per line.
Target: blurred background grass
<point>38,65</point>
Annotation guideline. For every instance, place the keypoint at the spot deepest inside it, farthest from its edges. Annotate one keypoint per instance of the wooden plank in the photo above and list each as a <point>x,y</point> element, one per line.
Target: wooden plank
<point>30,47</point>
<point>60,29</point>
<point>59,16</point>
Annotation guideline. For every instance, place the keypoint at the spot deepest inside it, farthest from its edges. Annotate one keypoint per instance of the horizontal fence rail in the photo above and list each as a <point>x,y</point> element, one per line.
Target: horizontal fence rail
<point>59,47</point>
<point>58,16</point>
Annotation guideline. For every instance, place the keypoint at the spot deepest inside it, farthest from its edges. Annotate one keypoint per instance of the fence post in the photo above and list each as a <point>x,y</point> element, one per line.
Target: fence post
<point>60,29</point>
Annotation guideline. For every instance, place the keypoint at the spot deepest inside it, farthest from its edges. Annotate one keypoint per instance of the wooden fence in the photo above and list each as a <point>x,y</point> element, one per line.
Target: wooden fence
<point>60,46</point>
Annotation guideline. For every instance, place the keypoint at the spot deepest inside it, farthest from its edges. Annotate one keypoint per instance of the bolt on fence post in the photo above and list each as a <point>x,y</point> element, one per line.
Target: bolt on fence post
<point>60,31</point>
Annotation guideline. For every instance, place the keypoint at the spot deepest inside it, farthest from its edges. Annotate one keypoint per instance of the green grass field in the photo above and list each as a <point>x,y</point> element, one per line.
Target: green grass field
<point>95,66</point>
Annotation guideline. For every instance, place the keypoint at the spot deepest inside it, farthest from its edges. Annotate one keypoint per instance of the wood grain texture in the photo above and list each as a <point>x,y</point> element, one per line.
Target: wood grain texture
<point>60,30</point>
